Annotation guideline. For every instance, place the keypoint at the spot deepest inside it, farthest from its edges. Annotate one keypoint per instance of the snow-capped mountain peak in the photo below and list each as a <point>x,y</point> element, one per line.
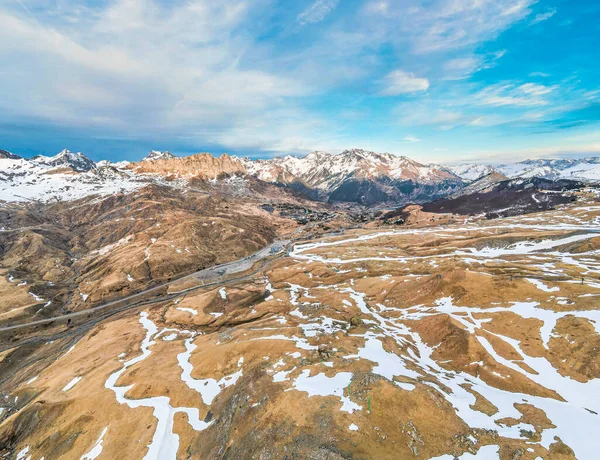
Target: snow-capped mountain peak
<point>157,155</point>
<point>76,161</point>
<point>117,165</point>
<point>65,176</point>
<point>553,169</point>
<point>471,172</point>
<point>6,155</point>
<point>354,175</point>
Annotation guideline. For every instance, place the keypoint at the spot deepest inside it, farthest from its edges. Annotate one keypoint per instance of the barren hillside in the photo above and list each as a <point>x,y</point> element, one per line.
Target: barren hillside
<point>420,342</point>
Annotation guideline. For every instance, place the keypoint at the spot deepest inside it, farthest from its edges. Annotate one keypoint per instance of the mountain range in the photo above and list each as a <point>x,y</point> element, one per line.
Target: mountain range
<point>208,308</point>
<point>353,176</point>
<point>586,169</point>
<point>357,176</point>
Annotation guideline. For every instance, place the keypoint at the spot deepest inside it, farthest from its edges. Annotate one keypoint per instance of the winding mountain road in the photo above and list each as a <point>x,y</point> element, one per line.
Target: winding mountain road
<point>211,276</point>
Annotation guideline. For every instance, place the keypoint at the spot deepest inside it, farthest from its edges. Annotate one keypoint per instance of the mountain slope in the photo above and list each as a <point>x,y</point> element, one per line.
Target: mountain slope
<point>471,172</point>
<point>202,165</point>
<point>68,176</point>
<point>6,155</point>
<point>509,198</point>
<point>357,176</point>
<point>156,155</point>
<point>585,169</point>
<point>354,176</point>
<point>471,340</point>
<point>76,161</point>
<point>60,179</point>
<point>481,185</point>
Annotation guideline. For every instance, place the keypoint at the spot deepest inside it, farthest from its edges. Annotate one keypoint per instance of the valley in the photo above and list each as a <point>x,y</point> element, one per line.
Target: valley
<point>209,313</point>
<point>477,337</point>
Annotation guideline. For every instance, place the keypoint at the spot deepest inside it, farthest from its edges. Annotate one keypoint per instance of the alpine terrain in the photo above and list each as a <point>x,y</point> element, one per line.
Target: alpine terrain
<point>348,306</point>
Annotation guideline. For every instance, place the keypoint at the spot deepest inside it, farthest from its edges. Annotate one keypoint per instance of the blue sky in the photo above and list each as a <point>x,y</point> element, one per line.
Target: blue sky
<point>436,80</point>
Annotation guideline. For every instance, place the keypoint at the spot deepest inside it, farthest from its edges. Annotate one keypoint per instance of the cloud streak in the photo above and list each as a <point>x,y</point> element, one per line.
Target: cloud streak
<point>401,82</point>
<point>525,95</point>
<point>316,12</point>
<point>541,17</point>
<point>447,24</point>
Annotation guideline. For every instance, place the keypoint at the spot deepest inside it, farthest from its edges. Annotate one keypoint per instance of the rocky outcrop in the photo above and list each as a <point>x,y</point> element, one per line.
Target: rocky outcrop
<point>202,165</point>
<point>6,155</point>
<point>76,161</point>
<point>157,155</point>
<point>358,176</point>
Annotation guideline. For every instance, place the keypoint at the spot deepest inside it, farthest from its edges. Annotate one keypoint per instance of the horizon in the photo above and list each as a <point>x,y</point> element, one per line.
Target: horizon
<point>216,155</point>
<point>444,81</point>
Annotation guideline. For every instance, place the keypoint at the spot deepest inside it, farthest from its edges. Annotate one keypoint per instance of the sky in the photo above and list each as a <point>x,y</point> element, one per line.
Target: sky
<point>448,81</point>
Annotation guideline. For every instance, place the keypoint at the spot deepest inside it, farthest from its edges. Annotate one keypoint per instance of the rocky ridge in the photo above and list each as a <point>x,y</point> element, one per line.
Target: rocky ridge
<point>495,196</point>
<point>201,165</point>
<point>76,161</point>
<point>585,169</point>
<point>352,177</point>
<point>357,176</point>
<point>157,155</point>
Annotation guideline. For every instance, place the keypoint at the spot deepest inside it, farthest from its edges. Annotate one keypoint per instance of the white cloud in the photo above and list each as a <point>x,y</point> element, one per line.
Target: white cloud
<point>506,103</point>
<point>401,82</point>
<point>463,67</point>
<point>378,6</point>
<point>128,69</point>
<point>202,71</point>
<point>524,95</point>
<point>541,17</point>
<point>539,74</point>
<point>316,12</point>
<point>411,139</point>
<point>444,24</point>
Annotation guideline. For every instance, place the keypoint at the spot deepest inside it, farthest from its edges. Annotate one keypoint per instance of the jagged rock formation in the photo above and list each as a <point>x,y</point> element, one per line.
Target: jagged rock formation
<point>202,165</point>
<point>357,176</point>
<point>354,176</point>
<point>6,155</point>
<point>156,155</point>
<point>76,161</point>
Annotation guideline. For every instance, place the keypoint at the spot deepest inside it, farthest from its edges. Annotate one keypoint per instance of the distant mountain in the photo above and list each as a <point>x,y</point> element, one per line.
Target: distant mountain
<point>63,177</point>
<point>353,176</point>
<point>116,165</point>
<point>471,172</point>
<point>76,161</point>
<point>505,198</point>
<point>200,165</point>
<point>481,185</point>
<point>358,176</point>
<point>586,169</point>
<point>6,155</point>
<point>156,155</point>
